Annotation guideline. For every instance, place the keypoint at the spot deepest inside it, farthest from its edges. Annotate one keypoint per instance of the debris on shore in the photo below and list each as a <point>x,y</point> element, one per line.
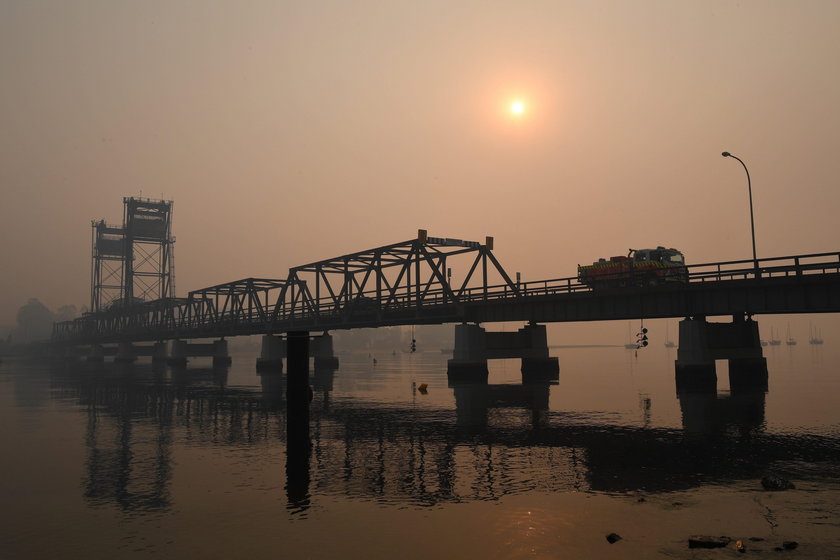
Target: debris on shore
<point>705,541</point>
<point>613,538</point>
<point>789,545</point>
<point>773,482</point>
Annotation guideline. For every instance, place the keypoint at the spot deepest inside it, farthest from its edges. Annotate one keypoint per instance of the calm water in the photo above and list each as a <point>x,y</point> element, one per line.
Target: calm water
<point>131,462</point>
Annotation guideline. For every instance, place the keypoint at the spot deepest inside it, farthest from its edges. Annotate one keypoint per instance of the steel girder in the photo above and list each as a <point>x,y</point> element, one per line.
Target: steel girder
<point>409,283</point>
<point>342,292</point>
<point>406,275</point>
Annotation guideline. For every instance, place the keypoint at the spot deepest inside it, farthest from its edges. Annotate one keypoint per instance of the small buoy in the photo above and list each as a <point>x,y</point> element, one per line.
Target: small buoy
<point>423,388</point>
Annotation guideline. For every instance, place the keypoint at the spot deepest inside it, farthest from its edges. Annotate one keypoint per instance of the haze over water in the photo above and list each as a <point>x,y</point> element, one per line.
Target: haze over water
<point>289,132</point>
<point>286,132</point>
<point>129,462</point>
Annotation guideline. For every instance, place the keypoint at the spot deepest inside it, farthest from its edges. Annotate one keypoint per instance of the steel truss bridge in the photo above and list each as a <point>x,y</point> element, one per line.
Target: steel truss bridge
<point>412,283</point>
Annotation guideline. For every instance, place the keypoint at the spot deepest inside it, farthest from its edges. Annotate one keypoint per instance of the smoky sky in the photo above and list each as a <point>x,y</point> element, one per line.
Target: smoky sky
<point>288,132</point>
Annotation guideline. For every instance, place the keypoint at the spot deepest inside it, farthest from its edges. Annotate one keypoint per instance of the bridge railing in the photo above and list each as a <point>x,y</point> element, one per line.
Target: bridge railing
<point>250,305</point>
<point>796,265</point>
<point>774,267</point>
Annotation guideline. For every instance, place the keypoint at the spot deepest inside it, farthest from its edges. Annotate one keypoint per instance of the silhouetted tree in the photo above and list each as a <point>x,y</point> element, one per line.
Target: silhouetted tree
<point>34,321</point>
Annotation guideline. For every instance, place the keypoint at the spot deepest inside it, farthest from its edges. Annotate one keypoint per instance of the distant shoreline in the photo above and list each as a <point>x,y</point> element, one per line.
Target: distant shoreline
<point>586,346</point>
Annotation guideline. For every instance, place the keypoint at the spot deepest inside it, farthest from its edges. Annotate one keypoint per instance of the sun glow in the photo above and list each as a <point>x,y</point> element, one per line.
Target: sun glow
<point>516,107</point>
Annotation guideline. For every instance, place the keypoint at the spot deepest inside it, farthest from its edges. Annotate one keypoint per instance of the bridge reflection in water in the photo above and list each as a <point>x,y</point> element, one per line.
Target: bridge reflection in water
<point>499,440</point>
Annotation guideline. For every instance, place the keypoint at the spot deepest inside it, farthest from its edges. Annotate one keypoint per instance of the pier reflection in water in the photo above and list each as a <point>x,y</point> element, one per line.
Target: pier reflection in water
<point>498,439</point>
<point>133,458</point>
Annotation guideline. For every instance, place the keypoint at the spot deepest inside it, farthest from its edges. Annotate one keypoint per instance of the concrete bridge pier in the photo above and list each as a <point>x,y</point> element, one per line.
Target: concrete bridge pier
<point>537,365</point>
<point>701,343</point>
<point>322,350</point>
<point>96,354</point>
<point>272,352</point>
<point>181,350</point>
<point>125,353</point>
<point>322,381</point>
<point>221,357</point>
<point>65,353</point>
<point>474,346</point>
<point>747,366</point>
<point>159,353</point>
<point>177,353</point>
<point>469,357</point>
<point>695,366</point>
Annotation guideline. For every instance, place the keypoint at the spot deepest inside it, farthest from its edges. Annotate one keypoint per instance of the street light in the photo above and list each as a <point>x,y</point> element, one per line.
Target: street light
<point>752,220</point>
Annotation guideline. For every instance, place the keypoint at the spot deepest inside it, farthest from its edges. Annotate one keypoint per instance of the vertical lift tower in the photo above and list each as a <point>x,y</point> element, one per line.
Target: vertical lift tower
<point>149,243</point>
<point>107,266</point>
<point>133,263</point>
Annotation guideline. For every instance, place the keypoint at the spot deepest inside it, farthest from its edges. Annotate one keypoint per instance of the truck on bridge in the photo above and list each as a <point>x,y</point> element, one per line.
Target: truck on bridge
<point>641,267</point>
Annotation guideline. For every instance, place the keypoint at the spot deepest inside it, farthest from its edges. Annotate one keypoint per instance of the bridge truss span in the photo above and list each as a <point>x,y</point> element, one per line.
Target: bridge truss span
<point>433,280</point>
<point>400,276</point>
<point>422,280</point>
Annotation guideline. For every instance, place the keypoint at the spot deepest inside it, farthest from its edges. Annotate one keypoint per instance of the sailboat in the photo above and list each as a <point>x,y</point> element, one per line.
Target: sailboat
<point>773,340</point>
<point>814,335</point>
<point>668,342</point>
<point>789,341</point>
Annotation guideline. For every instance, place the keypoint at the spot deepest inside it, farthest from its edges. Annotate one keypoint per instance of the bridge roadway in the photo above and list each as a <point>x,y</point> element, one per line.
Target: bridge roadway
<point>411,283</point>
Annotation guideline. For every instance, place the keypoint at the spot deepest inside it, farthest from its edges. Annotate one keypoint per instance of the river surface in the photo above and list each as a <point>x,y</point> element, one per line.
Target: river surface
<point>135,462</point>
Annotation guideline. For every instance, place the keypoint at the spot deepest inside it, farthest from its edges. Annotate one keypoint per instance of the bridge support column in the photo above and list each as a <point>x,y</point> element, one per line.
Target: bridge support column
<point>125,353</point>
<point>747,369</point>
<point>701,343</point>
<point>469,357</point>
<point>68,354</point>
<point>322,349</point>
<point>537,365</point>
<point>177,353</point>
<point>298,395</point>
<point>159,353</point>
<point>695,366</point>
<point>96,353</point>
<point>220,353</point>
<point>474,346</point>
<point>272,352</point>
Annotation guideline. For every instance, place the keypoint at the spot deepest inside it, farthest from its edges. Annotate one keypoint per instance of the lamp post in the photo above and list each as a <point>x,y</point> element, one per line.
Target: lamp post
<point>752,220</point>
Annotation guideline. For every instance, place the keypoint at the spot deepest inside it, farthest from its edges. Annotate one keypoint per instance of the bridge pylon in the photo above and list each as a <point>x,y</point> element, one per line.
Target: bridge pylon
<point>274,349</point>
<point>474,346</point>
<point>702,342</point>
<point>272,352</point>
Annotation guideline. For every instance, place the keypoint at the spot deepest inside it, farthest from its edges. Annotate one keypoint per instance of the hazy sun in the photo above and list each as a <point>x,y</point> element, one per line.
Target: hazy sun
<point>517,108</point>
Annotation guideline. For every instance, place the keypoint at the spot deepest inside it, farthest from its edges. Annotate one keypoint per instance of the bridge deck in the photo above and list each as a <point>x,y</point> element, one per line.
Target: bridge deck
<point>368,297</point>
